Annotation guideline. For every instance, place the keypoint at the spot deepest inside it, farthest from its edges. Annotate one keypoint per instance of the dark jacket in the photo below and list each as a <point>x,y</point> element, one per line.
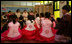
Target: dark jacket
<point>65,26</point>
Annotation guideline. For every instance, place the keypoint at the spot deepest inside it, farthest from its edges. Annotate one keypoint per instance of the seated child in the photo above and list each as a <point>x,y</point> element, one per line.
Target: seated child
<point>21,21</point>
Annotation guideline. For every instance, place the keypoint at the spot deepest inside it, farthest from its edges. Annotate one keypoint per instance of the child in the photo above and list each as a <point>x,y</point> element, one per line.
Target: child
<point>53,20</point>
<point>57,23</point>
<point>37,20</point>
<point>21,21</point>
<point>42,16</point>
<point>35,14</point>
<point>18,13</point>
<point>25,15</point>
<point>13,32</point>
<point>4,17</point>
<point>46,33</point>
<point>31,16</point>
<point>9,13</point>
<point>29,30</point>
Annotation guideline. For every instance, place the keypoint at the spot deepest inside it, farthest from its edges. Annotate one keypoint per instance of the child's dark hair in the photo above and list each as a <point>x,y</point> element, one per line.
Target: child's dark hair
<point>47,15</point>
<point>30,17</point>
<point>21,17</point>
<point>14,18</point>
<point>52,19</point>
<point>10,17</point>
<point>18,10</point>
<point>9,11</point>
<point>58,19</point>
<point>42,14</point>
<point>67,8</point>
<point>37,15</point>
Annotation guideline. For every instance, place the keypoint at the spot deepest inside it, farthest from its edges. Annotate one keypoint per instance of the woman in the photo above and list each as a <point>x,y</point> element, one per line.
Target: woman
<point>13,32</point>
<point>46,32</point>
<point>64,32</point>
<point>30,30</point>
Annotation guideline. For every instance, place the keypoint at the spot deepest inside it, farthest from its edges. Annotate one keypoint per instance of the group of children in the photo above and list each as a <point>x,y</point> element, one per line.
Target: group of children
<point>43,28</point>
<point>30,29</point>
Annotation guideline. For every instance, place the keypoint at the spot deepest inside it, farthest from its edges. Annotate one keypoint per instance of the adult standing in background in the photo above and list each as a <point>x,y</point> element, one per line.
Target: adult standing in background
<point>64,32</point>
<point>25,14</point>
<point>18,13</point>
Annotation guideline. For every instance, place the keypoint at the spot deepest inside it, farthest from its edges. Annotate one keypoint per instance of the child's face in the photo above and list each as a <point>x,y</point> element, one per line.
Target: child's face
<point>63,11</point>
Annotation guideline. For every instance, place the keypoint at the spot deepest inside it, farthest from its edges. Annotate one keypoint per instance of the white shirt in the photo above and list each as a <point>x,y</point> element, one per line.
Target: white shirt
<point>46,27</point>
<point>13,29</point>
<point>30,26</point>
<point>37,20</point>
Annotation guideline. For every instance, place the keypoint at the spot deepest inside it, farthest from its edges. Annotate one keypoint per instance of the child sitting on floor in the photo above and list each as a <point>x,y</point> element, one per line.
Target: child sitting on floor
<point>21,21</point>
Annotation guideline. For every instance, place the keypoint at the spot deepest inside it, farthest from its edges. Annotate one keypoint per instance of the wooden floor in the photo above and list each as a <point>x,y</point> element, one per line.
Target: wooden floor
<point>23,41</point>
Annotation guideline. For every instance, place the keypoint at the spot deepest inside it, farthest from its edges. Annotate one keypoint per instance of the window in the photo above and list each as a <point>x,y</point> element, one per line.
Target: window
<point>41,2</point>
<point>50,1</point>
<point>70,3</point>
<point>45,2</point>
<point>56,5</point>
<point>29,3</point>
<point>37,4</point>
<point>34,3</point>
<point>23,3</point>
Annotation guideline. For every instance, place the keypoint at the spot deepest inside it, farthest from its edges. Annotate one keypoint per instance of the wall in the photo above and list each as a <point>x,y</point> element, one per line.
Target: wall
<point>13,8</point>
<point>14,5</point>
